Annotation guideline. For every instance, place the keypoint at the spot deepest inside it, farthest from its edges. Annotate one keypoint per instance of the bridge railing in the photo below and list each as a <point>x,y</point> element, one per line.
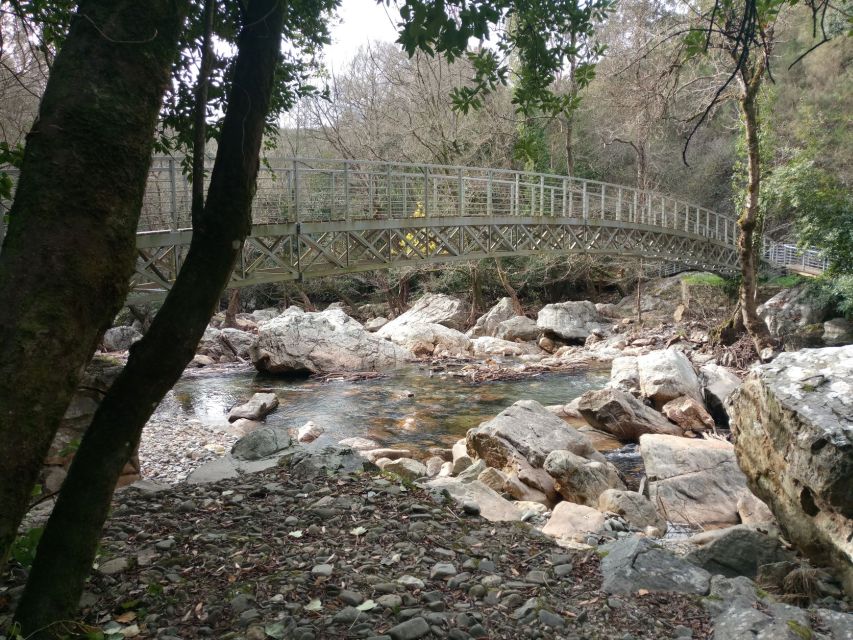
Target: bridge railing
<point>792,257</point>
<point>317,190</point>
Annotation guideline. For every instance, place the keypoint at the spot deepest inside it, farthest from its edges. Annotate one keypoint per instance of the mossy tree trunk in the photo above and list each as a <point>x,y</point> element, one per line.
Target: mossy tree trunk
<point>67,548</point>
<point>70,247</point>
<point>748,221</point>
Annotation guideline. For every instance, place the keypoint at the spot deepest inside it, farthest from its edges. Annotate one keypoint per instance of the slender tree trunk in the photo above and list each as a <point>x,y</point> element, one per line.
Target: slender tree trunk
<point>68,545</point>
<point>510,291</point>
<point>568,143</point>
<point>748,224</point>
<point>200,115</point>
<point>71,246</point>
<point>232,309</point>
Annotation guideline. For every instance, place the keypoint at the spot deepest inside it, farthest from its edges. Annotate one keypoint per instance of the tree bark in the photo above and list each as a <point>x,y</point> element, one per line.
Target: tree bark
<point>200,114</point>
<point>510,291</point>
<point>748,223</point>
<point>71,247</point>
<point>69,542</point>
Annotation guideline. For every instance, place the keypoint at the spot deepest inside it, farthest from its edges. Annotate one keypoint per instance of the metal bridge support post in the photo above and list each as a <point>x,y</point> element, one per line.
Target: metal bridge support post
<point>565,192</point>
<point>426,192</point>
<point>388,185</point>
<point>584,202</point>
<point>601,215</point>
<point>541,196</point>
<point>515,195</point>
<point>461,193</point>
<point>489,195</point>
<point>619,205</point>
<point>173,185</point>
<point>346,195</point>
<point>296,193</point>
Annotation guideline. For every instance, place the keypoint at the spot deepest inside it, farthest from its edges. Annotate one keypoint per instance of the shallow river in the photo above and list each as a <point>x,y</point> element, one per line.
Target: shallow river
<point>406,407</point>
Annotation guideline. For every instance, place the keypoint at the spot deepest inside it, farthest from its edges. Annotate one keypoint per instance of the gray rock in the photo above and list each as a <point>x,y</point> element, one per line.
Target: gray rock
<point>488,323</point>
<point>238,342</point>
<point>622,415</point>
<point>718,384</point>
<point>435,308</point>
<point>297,342</point>
<point>666,375</point>
<point>518,328</point>
<point>634,507</point>
<point>114,566</point>
<point>693,480</point>
<point>793,433</point>
<point>410,629</point>
<point>375,324</point>
<point>488,346</point>
<point>491,505</point>
<point>570,320</point>
<point>625,375</point>
<point>635,563</point>
<point>570,521</point>
<point>307,464</point>
<point>580,480</point>
<point>441,570</point>
<point>258,406</point>
<point>406,468</point>
<point>738,551</point>
<point>791,310</point>
<point>529,429</point>
<point>426,338</point>
<point>261,443</point>
<point>837,332</point>
<point>120,338</point>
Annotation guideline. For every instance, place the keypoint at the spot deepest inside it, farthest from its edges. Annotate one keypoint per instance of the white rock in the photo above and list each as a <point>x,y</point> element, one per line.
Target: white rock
<point>666,375</point>
<point>571,521</point>
<point>309,432</point>
<point>571,320</point>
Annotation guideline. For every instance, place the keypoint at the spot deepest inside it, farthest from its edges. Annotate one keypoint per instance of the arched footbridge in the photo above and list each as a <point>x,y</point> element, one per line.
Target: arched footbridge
<point>314,218</point>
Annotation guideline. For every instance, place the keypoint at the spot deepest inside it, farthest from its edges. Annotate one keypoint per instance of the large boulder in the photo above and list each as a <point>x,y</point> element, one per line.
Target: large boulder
<point>256,408</point>
<point>529,429</point>
<point>793,431</point>
<point>490,504</point>
<point>837,332</point>
<point>693,481</point>
<point>737,551</point>
<point>581,480</point>
<point>518,328</point>
<point>120,338</point>
<point>570,320</point>
<point>622,415</point>
<point>791,310</point>
<point>426,338</point>
<point>299,342</point>
<point>488,323</point>
<point>667,374</point>
<point>689,414</point>
<point>238,342</point>
<point>625,375</point>
<point>631,564</point>
<point>573,522</point>
<point>434,308</point>
<point>634,507</point>
<point>718,384</point>
<point>261,443</point>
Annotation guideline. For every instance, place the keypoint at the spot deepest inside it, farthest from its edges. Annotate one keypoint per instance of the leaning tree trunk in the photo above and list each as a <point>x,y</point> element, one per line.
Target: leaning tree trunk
<point>70,247</point>
<point>69,542</point>
<point>748,224</point>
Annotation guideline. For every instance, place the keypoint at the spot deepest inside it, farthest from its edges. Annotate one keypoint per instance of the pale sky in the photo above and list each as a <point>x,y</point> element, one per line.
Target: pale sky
<point>359,22</point>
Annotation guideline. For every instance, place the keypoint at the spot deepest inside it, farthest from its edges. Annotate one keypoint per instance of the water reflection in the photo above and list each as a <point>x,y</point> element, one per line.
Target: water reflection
<point>406,407</point>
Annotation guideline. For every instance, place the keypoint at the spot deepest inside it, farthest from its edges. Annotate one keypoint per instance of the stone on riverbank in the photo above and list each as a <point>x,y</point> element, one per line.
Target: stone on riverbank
<point>637,563</point>
<point>426,338</point>
<point>689,414</point>
<point>737,551</point>
<point>433,308</point>
<point>261,443</point>
<point>120,338</point>
<point>625,375</point>
<point>634,507</point>
<point>622,415</point>
<point>693,481</point>
<point>718,384</point>
<point>300,342</point>
<point>518,328</point>
<point>793,430</point>
<point>571,320</point>
<point>580,480</point>
<point>573,522</point>
<point>258,407</point>
<point>487,324</point>
<point>666,375</point>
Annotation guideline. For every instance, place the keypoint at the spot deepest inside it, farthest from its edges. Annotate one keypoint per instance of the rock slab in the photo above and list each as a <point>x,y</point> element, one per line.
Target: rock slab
<point>793,432</point>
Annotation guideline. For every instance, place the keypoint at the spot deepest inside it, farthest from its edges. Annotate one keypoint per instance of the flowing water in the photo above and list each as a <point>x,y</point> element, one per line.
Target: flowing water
<point>408,408</point>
